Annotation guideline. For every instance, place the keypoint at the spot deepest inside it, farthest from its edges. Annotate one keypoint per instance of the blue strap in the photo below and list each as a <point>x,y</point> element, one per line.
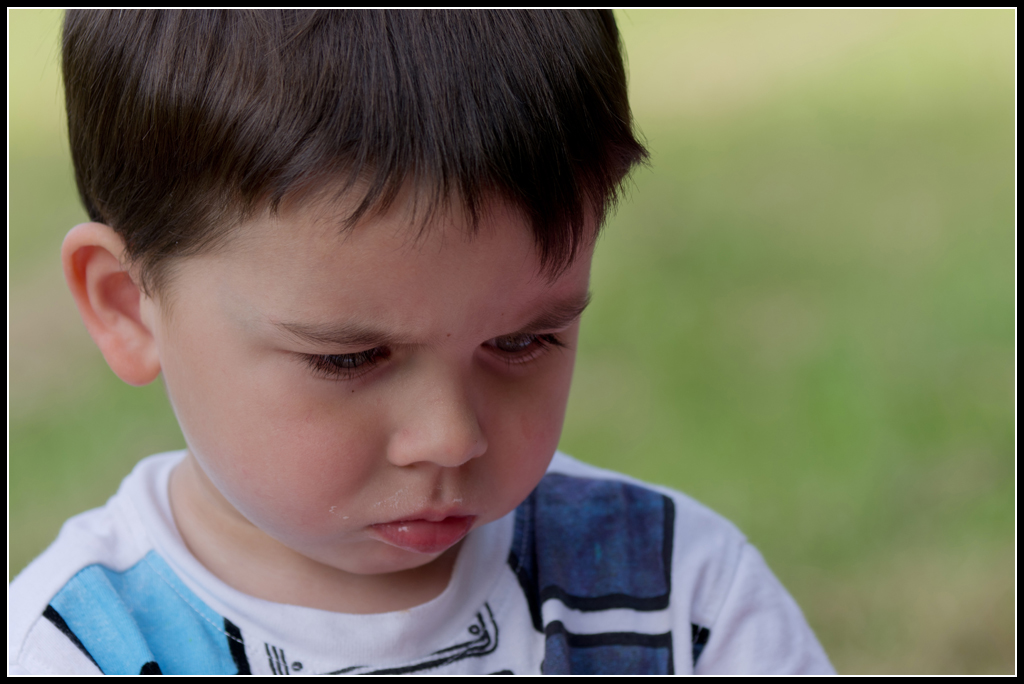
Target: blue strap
<point>144,620</point>
<point>596,545</point>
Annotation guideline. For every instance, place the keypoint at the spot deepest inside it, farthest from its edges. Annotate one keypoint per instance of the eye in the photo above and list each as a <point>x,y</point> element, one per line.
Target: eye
<point>523,347</point>
<point>513,344</point>
<point>346,366</point>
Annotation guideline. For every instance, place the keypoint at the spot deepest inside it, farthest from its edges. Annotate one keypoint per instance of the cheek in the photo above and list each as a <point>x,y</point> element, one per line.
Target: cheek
<point>528,425</point>
<point>540,426</point>
<point>279,446</point>
<point>544,403</point>
<point>287,473</point>
<point>293,441</point>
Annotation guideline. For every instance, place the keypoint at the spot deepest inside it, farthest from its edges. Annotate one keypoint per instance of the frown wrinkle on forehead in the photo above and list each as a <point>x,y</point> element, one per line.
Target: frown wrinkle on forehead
<point>550,316</point>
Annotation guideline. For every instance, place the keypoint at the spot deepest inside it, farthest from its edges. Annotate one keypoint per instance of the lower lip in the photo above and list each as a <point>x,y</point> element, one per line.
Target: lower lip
<point>424,536</point>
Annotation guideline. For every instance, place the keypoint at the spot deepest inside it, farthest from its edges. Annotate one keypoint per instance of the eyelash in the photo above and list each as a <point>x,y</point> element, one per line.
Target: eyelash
<point>537,345</point>
<point>351,366</point>
<point>330,366</point>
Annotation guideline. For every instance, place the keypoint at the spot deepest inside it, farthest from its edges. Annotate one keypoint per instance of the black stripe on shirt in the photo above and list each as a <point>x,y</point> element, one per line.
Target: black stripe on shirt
<point>270,659</point>
<point>609,638</point>
<point>668,535</point>
<point>53,616</point>
<point>150,668</point>
<point>589,604</point>
<point>237,647</point>
<point>699,638</point>
<point>573,640</point>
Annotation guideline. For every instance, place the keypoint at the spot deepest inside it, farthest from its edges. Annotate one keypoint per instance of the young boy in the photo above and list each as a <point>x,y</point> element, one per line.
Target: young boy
<point>356,246</point>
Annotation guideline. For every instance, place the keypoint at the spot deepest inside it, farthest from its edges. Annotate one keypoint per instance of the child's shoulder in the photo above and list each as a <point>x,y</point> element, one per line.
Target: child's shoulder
<point>77,567</point>
<point>603,550</point>
<point>648,546</point>
<point>700,523</point>
<point>677,532</point>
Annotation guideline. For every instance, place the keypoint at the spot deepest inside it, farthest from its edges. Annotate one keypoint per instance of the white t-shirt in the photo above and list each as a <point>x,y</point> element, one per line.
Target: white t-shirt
<point>594,573</point>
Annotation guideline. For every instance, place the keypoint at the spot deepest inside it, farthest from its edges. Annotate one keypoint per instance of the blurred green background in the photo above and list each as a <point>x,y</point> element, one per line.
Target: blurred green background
<point>803,316</point>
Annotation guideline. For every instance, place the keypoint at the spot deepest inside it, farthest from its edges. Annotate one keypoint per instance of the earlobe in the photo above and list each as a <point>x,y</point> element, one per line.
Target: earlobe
<point>110,302</point>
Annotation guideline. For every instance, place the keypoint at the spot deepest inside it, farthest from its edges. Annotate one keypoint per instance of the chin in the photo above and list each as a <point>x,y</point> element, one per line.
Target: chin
<point>397,560</point>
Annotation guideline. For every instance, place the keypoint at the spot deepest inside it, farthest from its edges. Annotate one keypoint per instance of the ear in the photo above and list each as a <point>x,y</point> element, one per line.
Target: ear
<point>110,302</point>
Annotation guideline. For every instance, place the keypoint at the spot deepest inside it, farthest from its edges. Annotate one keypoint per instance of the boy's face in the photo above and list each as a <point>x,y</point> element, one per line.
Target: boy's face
<point>366,398</point>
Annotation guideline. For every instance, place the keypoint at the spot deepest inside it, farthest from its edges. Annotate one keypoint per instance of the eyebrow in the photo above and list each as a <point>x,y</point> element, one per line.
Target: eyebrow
<point>552,317</point>
<point>343,335</point>
<point>558,315</point>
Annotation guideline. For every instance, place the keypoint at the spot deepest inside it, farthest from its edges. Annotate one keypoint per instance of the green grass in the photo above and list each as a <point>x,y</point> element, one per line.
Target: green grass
<point>804,316</point>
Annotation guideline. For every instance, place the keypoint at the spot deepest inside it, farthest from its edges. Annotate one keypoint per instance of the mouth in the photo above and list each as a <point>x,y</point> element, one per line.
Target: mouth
<point>422,535</point>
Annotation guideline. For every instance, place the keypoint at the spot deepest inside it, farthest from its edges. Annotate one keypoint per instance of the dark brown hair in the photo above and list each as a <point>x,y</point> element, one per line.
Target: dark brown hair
<point>182,123</point>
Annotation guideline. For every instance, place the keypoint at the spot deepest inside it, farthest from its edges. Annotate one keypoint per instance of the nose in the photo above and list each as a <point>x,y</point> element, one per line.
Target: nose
<point>438,424</point>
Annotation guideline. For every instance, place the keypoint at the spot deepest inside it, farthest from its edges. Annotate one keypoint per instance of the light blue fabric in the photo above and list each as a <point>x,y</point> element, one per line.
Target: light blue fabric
<point>145,614</point>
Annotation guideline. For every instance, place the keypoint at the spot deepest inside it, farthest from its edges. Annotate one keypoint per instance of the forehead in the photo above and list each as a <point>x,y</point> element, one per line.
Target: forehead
<point>302,265</point>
